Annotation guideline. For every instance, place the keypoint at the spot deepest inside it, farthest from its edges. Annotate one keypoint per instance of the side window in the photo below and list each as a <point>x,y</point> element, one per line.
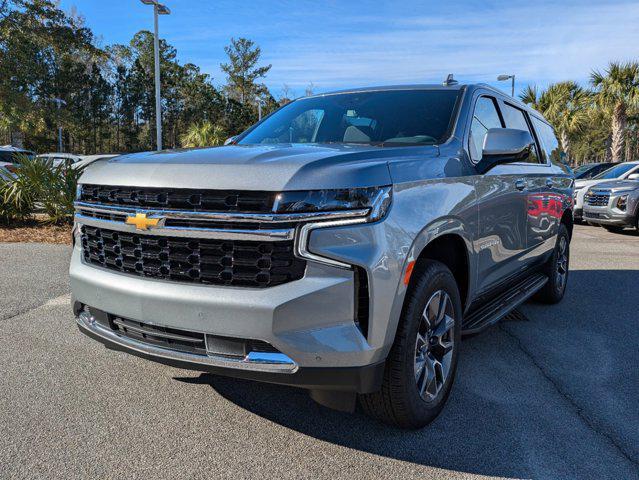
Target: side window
<point>484,117</point>
<point>550,145</point>
<point>516,118</point>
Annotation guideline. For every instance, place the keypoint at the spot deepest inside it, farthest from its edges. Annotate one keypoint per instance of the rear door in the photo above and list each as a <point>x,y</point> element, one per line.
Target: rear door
<point>501,235</point>
<point>545,198</point>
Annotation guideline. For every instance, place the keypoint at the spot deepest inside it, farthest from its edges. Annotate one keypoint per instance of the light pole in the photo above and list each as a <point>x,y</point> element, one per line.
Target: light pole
<point>59,103</point>
<point>502,78</point>
<point>158,9</point>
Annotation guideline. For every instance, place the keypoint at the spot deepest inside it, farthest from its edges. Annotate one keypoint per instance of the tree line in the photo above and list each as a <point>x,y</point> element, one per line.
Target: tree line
<point>596,123</point>
<point>54,72</point>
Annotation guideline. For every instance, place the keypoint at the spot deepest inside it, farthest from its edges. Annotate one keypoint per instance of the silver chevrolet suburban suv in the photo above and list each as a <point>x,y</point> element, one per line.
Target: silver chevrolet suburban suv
<point>343,245</point>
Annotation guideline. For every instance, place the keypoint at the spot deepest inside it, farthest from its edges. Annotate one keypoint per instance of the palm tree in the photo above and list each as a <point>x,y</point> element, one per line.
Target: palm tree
<point>617,91</point>
<point>565,106</point>
<point>532,97</point>
<point>203,134</point>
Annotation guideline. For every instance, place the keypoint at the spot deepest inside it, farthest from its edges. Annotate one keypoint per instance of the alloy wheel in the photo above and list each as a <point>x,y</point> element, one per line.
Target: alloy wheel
<point>434,345</point>
<point>561,271</point>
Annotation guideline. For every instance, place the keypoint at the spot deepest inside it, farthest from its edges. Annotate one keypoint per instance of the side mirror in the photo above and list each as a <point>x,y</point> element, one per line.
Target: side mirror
<point>504,145</point>
<point>230,140</point>
<point>633,176</point>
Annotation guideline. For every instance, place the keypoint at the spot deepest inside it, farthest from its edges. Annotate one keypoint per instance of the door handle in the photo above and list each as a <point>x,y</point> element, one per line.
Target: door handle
<point>550,183</point>
<point>520,184</point>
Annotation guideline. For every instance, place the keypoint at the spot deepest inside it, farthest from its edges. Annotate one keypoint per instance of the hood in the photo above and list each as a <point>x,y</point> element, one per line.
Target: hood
<point>254,167</point>
<point>618,185</point>
<point>588,183</point>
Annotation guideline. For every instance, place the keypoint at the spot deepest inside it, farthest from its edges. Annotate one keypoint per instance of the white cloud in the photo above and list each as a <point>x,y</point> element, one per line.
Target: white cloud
<point>540,43</point>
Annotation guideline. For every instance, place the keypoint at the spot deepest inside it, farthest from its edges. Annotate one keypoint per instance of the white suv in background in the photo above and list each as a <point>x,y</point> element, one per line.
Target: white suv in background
<point>618,172</point>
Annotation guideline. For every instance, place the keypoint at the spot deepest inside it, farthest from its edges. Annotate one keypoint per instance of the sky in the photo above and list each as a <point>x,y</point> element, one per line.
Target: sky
<point>349,43</point>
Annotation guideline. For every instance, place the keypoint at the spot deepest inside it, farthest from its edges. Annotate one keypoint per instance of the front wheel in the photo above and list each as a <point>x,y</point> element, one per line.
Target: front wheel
<point>421,365</point>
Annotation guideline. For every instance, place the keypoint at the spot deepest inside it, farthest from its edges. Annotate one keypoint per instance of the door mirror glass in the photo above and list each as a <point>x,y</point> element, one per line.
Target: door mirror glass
<point>504,145</point>
<point>230,140</point>
<point>633,176</point>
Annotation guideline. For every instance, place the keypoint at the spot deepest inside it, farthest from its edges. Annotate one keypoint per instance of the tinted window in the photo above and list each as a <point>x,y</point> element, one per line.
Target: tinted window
<point>516,118</point>
<point>15,157</point>
<point>401,117</point>
<point>616,172</point>
<point>590,171</point>
<point>549,143</point>
<point>484,117</point>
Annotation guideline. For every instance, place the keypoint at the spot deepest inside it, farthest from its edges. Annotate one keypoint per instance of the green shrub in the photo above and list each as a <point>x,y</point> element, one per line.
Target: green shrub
<point>39,185</point>
<point>16,204</point>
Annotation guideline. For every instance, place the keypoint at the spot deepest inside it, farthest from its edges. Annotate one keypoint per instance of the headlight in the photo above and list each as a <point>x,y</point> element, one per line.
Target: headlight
<point>78,192</point>
<point>373,202</point>
<point>342,207</point>
<point>622,201</point>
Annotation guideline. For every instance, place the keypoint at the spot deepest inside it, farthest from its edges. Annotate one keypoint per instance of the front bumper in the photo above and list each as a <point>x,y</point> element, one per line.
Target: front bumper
<point>607,216</point>
<point>364,379</point>
<point>292,317</point>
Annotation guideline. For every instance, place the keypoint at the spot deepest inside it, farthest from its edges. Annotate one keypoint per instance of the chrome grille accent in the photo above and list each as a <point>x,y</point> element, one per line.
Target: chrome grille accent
<point>257,264</point>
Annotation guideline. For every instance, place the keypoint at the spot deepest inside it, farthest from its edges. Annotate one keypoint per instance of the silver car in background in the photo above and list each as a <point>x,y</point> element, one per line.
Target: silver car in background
<point>614,205</point>
<point>344,244</point>
<point>618,172</point>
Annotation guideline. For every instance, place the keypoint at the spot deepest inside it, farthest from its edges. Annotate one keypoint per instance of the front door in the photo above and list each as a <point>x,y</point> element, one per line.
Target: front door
<point>500,243</point>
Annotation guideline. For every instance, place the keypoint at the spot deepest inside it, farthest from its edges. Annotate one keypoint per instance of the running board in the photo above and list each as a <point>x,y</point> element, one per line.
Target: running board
<point>501,306</point>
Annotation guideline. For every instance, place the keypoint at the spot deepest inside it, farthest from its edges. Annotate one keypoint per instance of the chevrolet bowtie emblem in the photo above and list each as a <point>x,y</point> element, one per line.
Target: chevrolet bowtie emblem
<point>142,222</point>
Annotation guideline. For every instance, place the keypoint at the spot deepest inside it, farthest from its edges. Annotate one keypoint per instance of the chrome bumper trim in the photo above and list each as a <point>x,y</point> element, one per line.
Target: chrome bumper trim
<point>254,361</point>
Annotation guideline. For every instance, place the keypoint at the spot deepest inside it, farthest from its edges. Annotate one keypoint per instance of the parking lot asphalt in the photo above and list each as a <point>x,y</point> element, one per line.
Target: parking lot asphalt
<point>554,395</point>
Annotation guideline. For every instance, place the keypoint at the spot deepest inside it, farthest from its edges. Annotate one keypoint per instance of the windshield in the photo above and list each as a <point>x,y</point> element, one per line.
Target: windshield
<point>616,172</point>
<point>400,117</point>
<point>584,168</point>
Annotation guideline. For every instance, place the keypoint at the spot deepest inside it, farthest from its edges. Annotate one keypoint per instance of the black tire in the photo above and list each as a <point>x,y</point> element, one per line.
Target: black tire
<point>613,229</point>
<point>555,288</point>
<point>399,402</point>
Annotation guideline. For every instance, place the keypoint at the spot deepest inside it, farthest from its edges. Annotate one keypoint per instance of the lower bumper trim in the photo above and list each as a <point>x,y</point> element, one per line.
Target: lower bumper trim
<point>263,367</point>
<point>269,362</point>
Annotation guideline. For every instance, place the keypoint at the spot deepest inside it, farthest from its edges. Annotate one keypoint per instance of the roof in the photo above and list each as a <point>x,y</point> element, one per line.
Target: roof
<point>60,155</point>
<point>386,88</point>
<point>11,148</point>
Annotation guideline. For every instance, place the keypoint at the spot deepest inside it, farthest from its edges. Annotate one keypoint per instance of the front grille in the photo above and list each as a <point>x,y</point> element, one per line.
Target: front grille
<point>178,339</point>
<point>185,199</point>
<point>597,199</point>
<point>205,261</point>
